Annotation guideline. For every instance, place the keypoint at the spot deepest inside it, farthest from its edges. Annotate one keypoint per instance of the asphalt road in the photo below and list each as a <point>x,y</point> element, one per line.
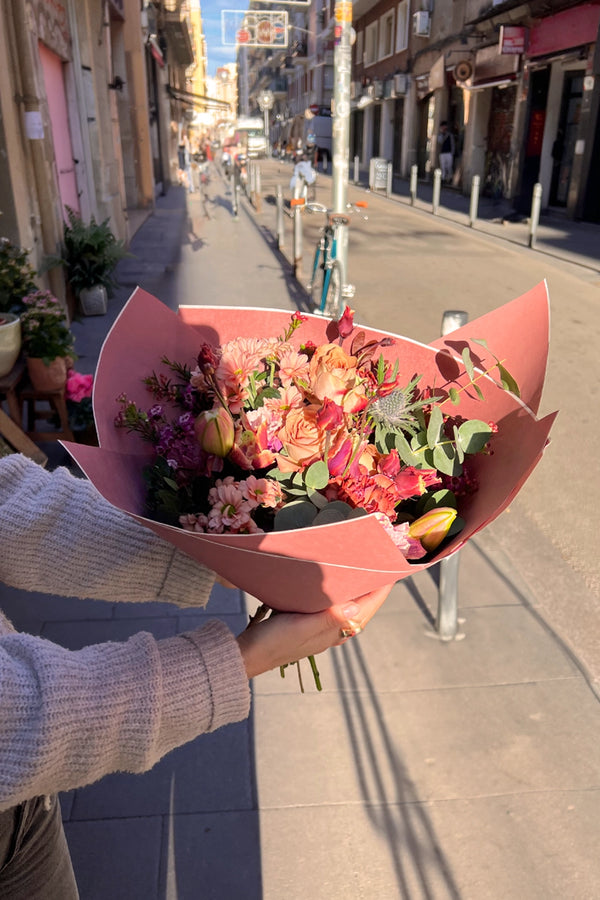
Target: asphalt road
<point>409,266</point>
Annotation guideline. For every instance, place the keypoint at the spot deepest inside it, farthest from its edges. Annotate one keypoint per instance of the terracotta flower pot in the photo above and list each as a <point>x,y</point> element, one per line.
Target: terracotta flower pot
<point>52,377</point>
<point>10,341</point>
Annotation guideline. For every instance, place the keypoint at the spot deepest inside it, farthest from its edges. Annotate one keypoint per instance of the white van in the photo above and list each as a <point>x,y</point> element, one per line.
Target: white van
<point>317,133</point>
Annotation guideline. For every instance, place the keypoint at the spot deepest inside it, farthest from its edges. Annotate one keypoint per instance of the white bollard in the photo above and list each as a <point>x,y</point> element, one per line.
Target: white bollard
<point>414,174</point>
<point>356,170</point>
<point>437,186</point>
<point>474,200</point>
<point>388,182</point>
<point>536,205</point>
<point>280,218</point>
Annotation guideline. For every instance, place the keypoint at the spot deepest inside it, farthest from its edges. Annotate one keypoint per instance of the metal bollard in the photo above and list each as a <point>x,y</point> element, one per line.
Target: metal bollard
<point>446,621</point>
<point>297,222</point>
<point>414,174</point>
<point>536,206</point>
<point>234,195</point>
<point>437,185</point>
<point>474,200</point>
<point>388,181</point>
<point>280,218</point>
<point>257,188</point>
<point>356,170</point>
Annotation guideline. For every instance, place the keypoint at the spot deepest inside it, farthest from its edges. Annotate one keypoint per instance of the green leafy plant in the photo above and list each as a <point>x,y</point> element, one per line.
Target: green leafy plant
<point>45,332</point>
<point>89,254</point>
<point>17,278</point>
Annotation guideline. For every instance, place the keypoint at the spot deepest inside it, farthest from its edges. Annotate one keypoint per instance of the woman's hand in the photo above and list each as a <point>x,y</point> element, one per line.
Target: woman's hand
<point>287,637</point>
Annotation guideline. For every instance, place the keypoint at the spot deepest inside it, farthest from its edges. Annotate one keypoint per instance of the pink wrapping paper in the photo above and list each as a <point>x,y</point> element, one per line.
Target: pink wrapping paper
<point>308,569</point>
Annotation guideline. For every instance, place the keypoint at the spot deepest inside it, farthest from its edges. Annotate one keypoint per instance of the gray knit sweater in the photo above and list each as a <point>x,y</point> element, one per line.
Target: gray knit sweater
<point>67,718</point>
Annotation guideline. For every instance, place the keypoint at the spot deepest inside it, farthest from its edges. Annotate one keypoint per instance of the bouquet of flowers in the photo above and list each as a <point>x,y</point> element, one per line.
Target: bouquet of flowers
<point>310,462</point>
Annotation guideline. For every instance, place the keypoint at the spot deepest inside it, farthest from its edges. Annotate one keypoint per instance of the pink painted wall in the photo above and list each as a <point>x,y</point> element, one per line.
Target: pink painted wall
<point>52,67</point>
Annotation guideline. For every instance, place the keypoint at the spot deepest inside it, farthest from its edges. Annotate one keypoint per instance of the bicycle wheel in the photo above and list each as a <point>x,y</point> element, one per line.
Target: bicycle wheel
<point>316,282</point>
<point>333,299</point>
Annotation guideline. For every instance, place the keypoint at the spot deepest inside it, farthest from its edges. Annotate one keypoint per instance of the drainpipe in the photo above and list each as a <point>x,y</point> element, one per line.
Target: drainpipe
<point>51,226</point>
<point>342,64</point>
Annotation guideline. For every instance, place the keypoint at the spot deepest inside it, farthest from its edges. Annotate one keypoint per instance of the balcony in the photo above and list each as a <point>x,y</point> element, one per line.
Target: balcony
<point>279,86</point>
<point>179,43</point>
<point>479,10</point>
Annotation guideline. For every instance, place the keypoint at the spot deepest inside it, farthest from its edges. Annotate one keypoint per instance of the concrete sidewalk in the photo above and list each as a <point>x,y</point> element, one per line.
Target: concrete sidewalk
<point>466,770</point>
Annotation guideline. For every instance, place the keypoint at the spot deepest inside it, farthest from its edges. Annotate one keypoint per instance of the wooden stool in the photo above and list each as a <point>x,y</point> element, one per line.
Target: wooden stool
<point>29,398</point>
<point>8,386</point>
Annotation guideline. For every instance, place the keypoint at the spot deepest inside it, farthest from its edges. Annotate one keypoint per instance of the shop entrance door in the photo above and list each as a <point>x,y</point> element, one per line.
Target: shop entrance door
<point>563,149</point>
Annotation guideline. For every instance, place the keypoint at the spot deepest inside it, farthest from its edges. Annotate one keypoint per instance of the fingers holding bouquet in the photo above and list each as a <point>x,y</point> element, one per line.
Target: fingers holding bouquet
<point>280,639</point>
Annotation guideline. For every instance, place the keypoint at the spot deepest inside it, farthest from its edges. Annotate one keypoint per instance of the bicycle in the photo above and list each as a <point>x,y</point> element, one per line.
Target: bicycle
<point>328,287</point>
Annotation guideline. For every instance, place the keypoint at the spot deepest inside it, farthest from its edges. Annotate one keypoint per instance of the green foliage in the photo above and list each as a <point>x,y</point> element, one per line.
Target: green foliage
<point>90,253</point>
<point>16,277</point>
<point>45,332</point>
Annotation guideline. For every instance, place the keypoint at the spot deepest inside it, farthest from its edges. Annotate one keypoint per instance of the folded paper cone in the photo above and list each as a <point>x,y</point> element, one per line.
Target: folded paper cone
<point>309,569</point>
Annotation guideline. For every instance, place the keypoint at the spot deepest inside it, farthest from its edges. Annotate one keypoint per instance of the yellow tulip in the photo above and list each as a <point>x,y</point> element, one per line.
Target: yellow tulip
<point>432,527</point>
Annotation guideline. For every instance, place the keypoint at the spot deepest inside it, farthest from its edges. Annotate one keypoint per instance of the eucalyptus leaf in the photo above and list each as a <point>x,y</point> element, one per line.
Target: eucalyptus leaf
<point>440,498</point>
<point>297,514</point>
<point>317,475</point>
<point>406,454</point>
<point>454,396</point>
<point>445,459</point>
<point>473,435</point>
<point>435,427</point>
<point>317,498</point>
<point>459,450</point>
<point>468,362</point>
<point>327,516</point>
<point>456,527</point>
<point>508,382</point>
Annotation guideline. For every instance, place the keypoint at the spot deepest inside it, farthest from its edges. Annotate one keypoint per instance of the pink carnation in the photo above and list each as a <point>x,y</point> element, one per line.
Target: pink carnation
<point>78,386</point>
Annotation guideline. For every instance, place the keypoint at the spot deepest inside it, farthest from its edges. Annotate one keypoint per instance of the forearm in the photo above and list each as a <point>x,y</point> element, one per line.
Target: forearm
<point>68,718</point>
<point>59,536</point>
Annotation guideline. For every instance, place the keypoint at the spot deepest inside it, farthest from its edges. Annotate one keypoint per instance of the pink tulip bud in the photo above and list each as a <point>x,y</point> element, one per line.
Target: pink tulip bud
<point>215,431</point>
<point>346,323</point>
<point>432,527</point>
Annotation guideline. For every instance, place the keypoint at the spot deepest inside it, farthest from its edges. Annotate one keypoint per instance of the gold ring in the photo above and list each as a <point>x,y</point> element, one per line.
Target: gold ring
<point>350,632</point>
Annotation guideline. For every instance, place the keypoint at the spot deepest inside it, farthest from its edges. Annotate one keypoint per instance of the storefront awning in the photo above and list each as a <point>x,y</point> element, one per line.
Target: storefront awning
<point>490,83</point>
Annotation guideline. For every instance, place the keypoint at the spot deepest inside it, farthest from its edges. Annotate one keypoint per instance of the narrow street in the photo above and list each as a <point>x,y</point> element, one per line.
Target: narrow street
<point>409,267</point>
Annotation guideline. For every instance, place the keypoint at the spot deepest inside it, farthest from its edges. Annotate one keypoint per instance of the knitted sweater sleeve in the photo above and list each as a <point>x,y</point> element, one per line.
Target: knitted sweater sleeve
<point>58,535</point>
<point>69,717</point>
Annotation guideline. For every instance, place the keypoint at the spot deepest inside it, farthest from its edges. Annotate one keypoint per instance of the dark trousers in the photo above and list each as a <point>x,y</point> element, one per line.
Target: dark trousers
<point>34,857</point>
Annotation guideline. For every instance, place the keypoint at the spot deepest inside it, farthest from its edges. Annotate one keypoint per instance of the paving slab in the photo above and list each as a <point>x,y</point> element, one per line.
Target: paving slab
<point>536,846</point>
<point>117,858</point>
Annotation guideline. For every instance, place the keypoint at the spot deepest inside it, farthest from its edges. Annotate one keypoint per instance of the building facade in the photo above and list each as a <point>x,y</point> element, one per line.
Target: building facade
<point>517,82</point>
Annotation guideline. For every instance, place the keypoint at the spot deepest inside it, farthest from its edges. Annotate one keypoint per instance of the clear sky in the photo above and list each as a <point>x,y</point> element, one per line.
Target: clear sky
<point>218,53</point>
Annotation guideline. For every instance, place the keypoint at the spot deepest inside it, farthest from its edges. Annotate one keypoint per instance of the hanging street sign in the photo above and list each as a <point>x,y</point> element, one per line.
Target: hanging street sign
<point>254,28</point>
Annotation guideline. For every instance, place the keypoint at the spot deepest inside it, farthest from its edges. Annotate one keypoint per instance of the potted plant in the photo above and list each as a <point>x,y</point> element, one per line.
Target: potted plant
<point>16,280</point>
<point>78,394</point>
<point>90,253</point>
<point>47,341</point>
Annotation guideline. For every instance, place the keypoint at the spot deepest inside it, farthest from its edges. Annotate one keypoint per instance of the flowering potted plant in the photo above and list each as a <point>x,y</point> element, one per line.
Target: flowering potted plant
<point>16,280</point>
<point>89,255</point>
<point>78,395</point>
<point>47,341</point>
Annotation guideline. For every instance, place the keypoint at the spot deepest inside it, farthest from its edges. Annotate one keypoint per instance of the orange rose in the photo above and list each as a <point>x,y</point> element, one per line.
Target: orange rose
<point>302,440</point>
<point>332,373</point>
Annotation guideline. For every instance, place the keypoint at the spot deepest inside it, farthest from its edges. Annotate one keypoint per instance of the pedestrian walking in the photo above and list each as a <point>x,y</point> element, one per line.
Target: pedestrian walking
<point>69,717</point>
<point>446,151</point>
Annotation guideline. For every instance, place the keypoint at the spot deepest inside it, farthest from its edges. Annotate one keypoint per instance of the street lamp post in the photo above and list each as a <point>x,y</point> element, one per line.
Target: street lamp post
<point>342,64</point>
